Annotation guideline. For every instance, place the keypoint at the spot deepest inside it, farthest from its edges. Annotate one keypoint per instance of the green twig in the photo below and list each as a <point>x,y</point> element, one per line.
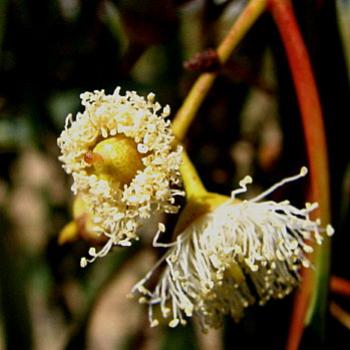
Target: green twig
<point>194,99</point>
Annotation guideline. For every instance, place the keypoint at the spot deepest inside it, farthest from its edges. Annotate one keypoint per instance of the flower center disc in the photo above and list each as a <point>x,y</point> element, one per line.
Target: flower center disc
<point>116,159</point>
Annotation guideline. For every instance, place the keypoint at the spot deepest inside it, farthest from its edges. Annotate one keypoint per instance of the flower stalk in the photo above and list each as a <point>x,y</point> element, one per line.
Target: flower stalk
<point>195,97</point>
<point>199,200</point>
<point>192,182</point>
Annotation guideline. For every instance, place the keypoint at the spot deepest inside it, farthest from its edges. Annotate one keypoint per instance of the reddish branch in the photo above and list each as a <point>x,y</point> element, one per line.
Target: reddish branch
<point>340,286</point>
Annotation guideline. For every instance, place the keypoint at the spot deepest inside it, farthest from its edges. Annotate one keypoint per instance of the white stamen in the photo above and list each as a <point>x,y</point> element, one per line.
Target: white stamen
<point>208,267</point>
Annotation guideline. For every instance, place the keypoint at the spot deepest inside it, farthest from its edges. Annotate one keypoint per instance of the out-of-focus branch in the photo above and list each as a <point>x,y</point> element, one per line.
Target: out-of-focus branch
<point>340,314</point>
<point>340,286</point>
<point>311,297</point>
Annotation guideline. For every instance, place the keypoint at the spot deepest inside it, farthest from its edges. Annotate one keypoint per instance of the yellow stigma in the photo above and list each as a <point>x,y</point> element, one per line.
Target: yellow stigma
<point>116,159</point>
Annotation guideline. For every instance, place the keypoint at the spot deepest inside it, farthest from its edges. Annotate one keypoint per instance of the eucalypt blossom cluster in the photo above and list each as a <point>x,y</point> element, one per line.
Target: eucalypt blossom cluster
<point>120,153</point>
<point>231,253</point>
<point>227,252</point>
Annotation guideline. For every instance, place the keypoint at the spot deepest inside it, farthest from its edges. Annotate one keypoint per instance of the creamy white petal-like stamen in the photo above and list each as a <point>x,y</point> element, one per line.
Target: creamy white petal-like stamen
<point>226,259</point>
<point>120,153</point>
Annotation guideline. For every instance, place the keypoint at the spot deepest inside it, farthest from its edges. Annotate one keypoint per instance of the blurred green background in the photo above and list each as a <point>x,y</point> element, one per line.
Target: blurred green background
<point>50,52</point>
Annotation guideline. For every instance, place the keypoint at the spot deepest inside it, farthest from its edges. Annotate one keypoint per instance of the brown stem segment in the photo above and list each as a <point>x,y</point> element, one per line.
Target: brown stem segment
<point>195,97</point>
<point>315,141</point>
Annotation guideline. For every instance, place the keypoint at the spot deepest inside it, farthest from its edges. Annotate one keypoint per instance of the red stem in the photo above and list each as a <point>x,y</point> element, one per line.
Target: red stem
<point>340,286</point>
<point>311,114</point>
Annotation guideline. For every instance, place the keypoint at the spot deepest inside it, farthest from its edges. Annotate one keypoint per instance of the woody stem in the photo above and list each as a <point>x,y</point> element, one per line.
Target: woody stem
<point>195,97</point>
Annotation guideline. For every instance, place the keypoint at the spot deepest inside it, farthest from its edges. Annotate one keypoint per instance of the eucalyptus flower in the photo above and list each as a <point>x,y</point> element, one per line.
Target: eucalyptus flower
<point>229,257</point>
<point>120,153</point>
